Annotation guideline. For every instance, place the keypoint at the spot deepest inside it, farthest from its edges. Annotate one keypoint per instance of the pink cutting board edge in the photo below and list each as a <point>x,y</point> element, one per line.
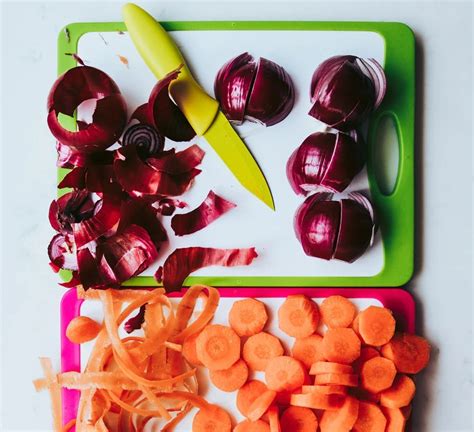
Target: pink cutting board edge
<point>398,300</point>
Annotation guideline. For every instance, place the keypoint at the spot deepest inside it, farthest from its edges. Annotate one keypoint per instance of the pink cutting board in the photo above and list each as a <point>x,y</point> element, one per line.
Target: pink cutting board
<point>398,300</point>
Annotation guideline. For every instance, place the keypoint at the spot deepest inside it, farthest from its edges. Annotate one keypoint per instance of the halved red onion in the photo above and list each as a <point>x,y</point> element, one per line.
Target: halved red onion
<point>182,262</point>
<point>110,116</point>
<point>324,161</point>
<point>207,212</point>
<point>261,91</point>
<point>62,252</point>
<point>345,90</point>
<point>69,209</point>
<point>331,229</point>
<point>146,138</point>
<point>167,117</point>
<point>135,322</point>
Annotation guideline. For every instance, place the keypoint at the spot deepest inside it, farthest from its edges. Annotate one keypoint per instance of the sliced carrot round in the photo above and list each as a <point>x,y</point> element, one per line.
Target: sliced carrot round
<point>212,419</point>
<point>260,405</point>
<point>370,418</point>
<point>82,329</point>
<point>317,401</point>
<point>341,345</point>
<point>343,419</point>
<point>250,426</point>
<point>323,367</point>
<point>248,317</point>
<point>396,420</point>
<point>189,350</point>
<point>377,374</point>
<point>410,353</point>
<point>298,316</point>
<point>231,379</point>
<point>400,394</point>
<point>308,350</point>
<point>298,419</point>
<point>366,353</point>
<point>325,389</point>
<point>355,325</point>
<point>259,349</point>
<point>284,373</point>
<point>218,347</point>
<point>247,395</point>
<point>376,325</point>
<point>337,311</point>
<point>348,380</point>
<point>364,395</point>
<point>274,419</point>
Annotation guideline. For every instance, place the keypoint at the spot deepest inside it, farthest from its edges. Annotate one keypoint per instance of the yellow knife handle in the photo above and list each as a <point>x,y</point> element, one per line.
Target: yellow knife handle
<point>162,56</point>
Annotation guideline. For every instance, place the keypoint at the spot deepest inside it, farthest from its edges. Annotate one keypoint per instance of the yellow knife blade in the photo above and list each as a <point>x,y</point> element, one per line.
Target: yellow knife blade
<point>162,56</point>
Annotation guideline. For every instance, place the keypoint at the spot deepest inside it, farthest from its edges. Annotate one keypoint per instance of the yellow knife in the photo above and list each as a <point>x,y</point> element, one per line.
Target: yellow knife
<point>162,56</point>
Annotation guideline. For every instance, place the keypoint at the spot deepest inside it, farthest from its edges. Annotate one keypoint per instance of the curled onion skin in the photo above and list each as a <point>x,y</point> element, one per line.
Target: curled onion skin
<point>110,116</point>
<point>345,90</point>
<point>332,229</point>
<point>260,91</point>
<point>324,161</point>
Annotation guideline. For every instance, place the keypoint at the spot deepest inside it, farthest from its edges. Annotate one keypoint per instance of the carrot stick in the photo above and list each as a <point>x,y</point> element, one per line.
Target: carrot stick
<point>230,379</point>
<point>284,373</point>
<point>298,316</point>
<point>376,325</point>
<point>189,350</point>
<point>325,389</point>
<point>396,420</point>
<point>298,419</point>
<point>212,419</point>
<point>247,394</point>
<point>341,345</point>
<point>330,368</point>
<point>337,311</point>
<point>218,347</point>
<point>343,419</point>
<point>308,350</point>
<point>260,405</point>
<point>54,393</point>
<point>69,425</point>
<point>348,380</point>
<point>370,418</point>
<point>248,317</point>
<point>317,401</point>
<point>273,419</point>
<point>259,349</point>
<point>250,426</point>
<point>366,353</point>
<point>409,352</point>
<point>377,374</point>
<point>400,394</point>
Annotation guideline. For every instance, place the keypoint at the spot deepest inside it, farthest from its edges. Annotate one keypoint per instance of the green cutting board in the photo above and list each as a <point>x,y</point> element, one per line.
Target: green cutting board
<point>395,210</point>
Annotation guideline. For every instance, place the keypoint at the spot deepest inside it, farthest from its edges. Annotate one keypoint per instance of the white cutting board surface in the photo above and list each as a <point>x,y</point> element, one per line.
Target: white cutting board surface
<point>251,223</point>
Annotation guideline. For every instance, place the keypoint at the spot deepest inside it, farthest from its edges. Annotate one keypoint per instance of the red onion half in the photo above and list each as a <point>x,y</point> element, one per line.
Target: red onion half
<point>345,90</point>
<point>324,161</point>
<point>261,91</point>
<point>110,116</point>
<point>331,229</point>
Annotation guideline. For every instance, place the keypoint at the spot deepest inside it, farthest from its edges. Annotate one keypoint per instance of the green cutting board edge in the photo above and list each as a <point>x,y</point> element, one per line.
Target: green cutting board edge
<point>395,212</point>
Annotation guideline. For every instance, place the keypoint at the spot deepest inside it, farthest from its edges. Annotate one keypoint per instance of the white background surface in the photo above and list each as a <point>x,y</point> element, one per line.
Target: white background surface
<point>442,284</point>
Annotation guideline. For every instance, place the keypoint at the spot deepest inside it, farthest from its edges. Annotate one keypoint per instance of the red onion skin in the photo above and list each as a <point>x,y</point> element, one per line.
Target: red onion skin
<point>232,86</point>
<point>342,95</point>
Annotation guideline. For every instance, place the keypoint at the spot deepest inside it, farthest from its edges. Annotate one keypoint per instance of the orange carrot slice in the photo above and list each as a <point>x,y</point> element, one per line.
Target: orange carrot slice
<point>396,420</point>
<point>370,418</point>
<point>343,419</point>
<point>259,349</point>
<point>337,311</point>
<point>298,316</point>
<point>308,350</point>
<point>248,317</point>
<point>330,368</point>
<point>212,419</point>
<point>189,350</point>
<point>298,419</point>
<point>247,395</point>
<point>274,419</point>
<point>82,329</point>
<point>341,345</point>
<point>376,325</point>
<point>260,405</point>
<point>218,347</point>
<point>348,380</point>
<point>365,395</point>
<point>231,379</point>
<point>366,353</point>
<point>409,352</point>
<point>250,426</point>
<point>284,373</point>
<point>325,389</point>
<point>318,401</point>
<point>377,374</point>
<point>400,394</point>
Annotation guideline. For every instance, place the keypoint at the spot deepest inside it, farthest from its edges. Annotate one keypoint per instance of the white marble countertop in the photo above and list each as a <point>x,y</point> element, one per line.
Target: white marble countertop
<point>443,282</point>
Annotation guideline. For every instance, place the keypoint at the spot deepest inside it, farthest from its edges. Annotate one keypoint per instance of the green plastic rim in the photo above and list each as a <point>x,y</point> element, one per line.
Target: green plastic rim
<point>395,212</point>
